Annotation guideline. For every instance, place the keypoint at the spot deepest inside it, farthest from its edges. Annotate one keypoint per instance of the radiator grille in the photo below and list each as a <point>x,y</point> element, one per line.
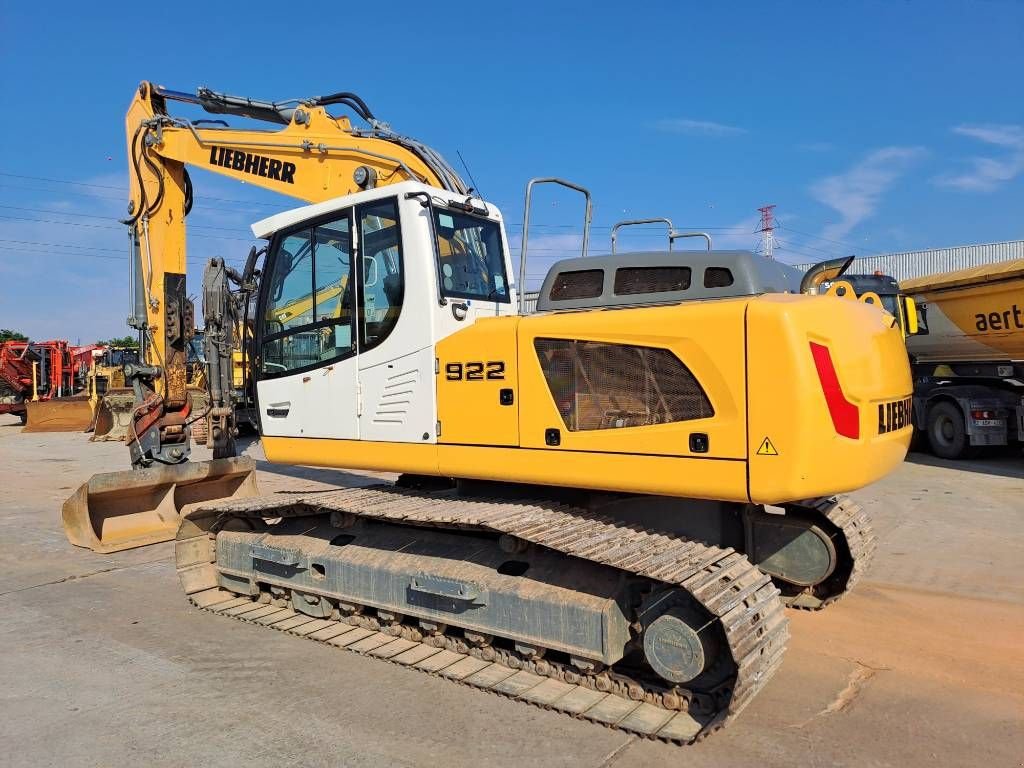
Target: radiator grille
<point>630,280</point>
<point>596,385</point>
<point>581,284</point>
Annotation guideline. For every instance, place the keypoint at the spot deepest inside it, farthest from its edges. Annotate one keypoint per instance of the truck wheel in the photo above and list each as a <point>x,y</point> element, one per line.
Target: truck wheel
<point>947,433</point>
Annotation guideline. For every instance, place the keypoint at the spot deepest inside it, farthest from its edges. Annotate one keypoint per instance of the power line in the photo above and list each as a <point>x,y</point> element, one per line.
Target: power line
<point>57,181</point>
<point>100,226</point>
<point>845,244</point>
<point>108,218</point>
<point>124,191</point>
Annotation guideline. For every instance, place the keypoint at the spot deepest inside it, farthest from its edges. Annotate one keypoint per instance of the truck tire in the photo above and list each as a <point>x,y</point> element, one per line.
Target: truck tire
<point>947,433</point>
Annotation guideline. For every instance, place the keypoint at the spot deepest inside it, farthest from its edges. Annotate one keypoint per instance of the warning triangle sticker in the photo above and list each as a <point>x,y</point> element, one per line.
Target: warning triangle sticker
<point>767,449</point>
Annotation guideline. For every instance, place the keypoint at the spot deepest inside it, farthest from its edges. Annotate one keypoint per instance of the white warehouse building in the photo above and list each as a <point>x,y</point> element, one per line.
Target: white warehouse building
<point>911,264</point>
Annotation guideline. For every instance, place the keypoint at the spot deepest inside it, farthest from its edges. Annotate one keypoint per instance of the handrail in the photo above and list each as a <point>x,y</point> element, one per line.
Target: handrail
<point>673,235</point>
<point>635,222</point>
<point>588,216</point>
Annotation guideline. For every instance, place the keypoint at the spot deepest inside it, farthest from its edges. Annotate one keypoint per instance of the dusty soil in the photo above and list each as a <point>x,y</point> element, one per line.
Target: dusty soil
<point>104,663</point>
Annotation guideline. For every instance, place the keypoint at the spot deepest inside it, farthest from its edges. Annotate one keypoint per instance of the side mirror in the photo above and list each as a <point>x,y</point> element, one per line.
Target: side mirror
<point>910,309</point>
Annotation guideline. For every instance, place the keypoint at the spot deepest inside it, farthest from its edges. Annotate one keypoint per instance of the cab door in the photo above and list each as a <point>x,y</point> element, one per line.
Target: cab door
<point>396,336</point>
<point>307,377</point>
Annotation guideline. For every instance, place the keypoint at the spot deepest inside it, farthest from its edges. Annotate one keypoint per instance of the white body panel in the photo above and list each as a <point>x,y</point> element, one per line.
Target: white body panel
<point>319,403</point>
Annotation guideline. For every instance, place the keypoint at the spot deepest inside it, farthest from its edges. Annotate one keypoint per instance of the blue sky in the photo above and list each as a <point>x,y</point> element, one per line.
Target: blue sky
<point>873,127</point>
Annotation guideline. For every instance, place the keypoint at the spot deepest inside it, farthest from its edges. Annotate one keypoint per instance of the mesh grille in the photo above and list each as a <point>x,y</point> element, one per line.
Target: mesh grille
<point>582,284</point>
<point>605,386</point>
<point>629,280</point>
<point>717,277</point>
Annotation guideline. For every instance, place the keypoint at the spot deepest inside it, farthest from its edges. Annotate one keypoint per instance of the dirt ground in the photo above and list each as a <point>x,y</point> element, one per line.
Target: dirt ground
<point>102,661</point>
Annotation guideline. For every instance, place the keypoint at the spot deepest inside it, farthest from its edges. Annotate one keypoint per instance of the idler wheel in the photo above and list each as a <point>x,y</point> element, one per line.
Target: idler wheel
<point>673,648</point>
<point>683,644</point>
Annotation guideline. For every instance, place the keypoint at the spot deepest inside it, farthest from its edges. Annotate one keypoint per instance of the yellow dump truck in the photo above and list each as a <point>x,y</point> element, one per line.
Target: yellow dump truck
<point>968,357</point>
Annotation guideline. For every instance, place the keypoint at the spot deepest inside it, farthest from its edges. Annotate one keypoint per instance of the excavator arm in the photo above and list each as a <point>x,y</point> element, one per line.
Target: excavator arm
<point>314,156</point>
<point>309,154</point>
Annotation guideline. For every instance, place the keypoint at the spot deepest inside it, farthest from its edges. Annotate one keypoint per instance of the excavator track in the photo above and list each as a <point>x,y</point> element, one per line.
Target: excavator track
<point>741,598</point>
<point>855,542</point>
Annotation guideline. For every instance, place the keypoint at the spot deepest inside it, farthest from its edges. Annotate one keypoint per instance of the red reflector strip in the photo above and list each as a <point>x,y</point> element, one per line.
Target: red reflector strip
<point>845,415</point>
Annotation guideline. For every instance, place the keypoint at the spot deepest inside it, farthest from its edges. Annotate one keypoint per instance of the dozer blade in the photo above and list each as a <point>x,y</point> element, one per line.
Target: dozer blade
<point>113,416</point>
<point>124,510</point>
<point>63,414</point>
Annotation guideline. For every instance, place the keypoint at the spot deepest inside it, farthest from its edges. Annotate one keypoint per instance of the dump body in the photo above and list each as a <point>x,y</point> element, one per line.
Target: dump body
<point>968,357</point>
<point>973,314</point>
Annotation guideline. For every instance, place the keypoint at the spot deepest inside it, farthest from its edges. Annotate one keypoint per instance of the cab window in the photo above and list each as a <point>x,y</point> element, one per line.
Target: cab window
<point>383,274</point>
<point>308,316</point>
<point>471,258</point>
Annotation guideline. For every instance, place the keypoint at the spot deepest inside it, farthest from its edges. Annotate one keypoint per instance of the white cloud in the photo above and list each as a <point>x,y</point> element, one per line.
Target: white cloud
<point>856,193</point>
<point>683,125</point>
<point>985,174</point>
<point>1000,135</point>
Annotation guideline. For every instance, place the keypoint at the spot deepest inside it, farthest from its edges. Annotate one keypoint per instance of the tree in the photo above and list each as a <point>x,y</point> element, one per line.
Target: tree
<point>124,341</point>
<point>9,335</point>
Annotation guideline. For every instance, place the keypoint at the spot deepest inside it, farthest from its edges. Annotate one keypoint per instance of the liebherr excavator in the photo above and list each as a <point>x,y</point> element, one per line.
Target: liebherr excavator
<point>603,507</point>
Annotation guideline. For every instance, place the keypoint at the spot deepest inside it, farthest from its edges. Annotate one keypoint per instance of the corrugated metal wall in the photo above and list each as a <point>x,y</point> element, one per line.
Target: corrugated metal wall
<point>904,266</point>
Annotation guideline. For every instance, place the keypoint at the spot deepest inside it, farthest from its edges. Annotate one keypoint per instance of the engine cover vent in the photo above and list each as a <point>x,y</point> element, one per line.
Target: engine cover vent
<point>631,280</point>
<point>596,385</point>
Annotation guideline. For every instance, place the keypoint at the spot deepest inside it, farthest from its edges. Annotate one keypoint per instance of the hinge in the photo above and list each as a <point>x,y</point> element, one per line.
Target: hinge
<point>438,427</point>
<point>359,398</point>
<point>437,365</point>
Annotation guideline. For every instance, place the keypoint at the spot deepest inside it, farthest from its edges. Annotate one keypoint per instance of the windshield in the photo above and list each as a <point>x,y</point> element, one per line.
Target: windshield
<point>470,256</point>
<point>889,301</point>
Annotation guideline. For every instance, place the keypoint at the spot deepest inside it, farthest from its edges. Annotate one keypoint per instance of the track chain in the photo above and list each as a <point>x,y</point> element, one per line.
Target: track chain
<point>858,537</point>
<point>743,598</point>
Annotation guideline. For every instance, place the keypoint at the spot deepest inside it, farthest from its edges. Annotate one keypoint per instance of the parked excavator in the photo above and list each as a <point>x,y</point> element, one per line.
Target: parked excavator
<point>602,508</point>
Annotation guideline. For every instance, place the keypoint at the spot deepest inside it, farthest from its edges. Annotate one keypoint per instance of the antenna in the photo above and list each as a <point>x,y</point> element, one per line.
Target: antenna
<point>767,230</point>
<point>469,173</point>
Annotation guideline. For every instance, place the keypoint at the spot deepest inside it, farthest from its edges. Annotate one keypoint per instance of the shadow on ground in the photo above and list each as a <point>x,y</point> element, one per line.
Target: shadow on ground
<point>1004,464</point>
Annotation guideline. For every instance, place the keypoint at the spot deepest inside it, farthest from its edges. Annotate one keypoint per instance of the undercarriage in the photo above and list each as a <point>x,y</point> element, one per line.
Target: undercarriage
<point>581,608</point>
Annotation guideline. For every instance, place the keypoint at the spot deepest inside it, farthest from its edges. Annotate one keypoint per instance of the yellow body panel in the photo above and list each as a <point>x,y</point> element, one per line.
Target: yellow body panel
<point>772,437</point>
<point>474,365</point>
<point>628,473</point>
<point>415,458</point>
<point>787,404</point>
<point>706,336</point>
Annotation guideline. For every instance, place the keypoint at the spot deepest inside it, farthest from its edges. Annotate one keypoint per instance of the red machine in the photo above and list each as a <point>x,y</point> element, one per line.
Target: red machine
<point>59,371</point>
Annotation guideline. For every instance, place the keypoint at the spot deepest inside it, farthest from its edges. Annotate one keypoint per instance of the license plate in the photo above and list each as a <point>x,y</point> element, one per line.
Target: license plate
<point>989,422</point>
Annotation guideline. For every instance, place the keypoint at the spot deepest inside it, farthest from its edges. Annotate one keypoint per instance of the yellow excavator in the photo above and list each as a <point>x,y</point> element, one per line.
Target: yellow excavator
<point>603,508</point>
